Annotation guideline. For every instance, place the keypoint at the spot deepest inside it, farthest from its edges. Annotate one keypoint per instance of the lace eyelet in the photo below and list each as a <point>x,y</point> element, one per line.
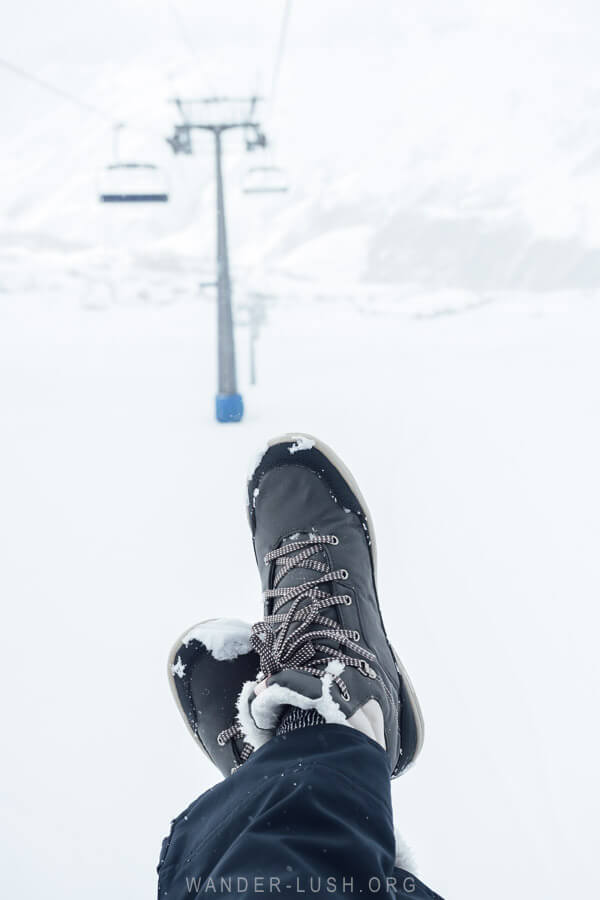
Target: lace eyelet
<point>335,540</point>
<point>346,697</point>
<point>356,636</point>
<point>344,574</point>
<point>220,741</point>
<point>348,600</point>
<point>366,670</point>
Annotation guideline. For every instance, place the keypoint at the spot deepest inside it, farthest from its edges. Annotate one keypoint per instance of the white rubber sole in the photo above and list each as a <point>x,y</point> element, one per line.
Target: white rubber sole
<point>170,663</point>
<point>416,707</point>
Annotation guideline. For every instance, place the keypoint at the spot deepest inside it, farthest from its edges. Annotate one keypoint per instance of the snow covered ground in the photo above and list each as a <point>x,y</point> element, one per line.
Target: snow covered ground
<point>473,429</point>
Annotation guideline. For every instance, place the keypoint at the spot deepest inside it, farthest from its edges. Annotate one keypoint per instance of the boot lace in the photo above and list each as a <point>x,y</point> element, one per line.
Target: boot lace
<point>235,733</point>
<point>280,646</point>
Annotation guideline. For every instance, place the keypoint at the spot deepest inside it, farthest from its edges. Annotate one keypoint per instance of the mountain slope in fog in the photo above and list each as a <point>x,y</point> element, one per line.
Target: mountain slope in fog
<point>458,153</point>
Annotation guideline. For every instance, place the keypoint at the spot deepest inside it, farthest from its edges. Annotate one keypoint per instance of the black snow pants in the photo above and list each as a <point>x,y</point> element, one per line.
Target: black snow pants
<point>308,814</point>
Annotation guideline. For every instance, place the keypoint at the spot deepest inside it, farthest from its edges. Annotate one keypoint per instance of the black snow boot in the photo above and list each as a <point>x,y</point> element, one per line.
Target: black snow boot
<point>207,667</point>
<point>322,643</point>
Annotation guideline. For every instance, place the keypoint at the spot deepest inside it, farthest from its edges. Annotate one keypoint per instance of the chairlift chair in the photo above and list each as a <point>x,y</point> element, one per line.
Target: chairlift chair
<point>133,182</point>
<point>265,180</point>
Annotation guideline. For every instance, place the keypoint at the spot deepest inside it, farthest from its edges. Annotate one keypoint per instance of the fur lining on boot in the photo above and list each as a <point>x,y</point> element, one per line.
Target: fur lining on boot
<point>261,705</point>
<point>259,711</point>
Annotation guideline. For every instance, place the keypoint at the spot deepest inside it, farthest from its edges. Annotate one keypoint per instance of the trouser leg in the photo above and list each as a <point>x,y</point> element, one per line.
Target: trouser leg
<point>310,811</point>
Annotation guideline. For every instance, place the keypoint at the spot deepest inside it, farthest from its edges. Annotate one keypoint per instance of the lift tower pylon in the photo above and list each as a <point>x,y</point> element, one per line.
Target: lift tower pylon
<point>229,403</point>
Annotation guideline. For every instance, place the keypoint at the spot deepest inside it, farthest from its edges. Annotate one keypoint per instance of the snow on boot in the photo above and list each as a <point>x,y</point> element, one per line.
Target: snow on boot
<point>322,643</point>
<point>207,667</point>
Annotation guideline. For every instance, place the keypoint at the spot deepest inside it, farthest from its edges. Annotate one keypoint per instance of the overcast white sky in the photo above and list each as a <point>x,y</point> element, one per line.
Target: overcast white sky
<point>102,29</point>
<point>75,43</point>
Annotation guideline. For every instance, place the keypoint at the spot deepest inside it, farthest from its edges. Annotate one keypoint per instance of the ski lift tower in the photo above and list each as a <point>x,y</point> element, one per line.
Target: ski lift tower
<point>208,114</point>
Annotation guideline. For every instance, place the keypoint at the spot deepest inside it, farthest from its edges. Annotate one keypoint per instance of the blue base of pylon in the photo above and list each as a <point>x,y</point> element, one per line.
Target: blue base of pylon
<point>230,407</point>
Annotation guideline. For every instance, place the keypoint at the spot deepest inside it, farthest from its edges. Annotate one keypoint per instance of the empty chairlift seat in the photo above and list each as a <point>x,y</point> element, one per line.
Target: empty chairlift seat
<point>265,180</point>
<point>133,183</point>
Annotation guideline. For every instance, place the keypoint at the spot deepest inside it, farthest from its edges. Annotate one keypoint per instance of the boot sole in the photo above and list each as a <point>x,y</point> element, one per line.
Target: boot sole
<point>174,653</point>
<point>411,716</point>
